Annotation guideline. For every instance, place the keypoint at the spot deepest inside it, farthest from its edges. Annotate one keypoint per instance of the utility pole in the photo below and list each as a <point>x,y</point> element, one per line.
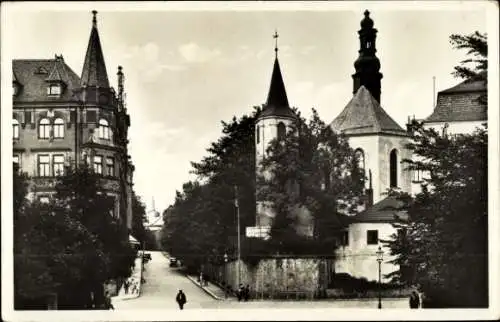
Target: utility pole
<point>236,204</point>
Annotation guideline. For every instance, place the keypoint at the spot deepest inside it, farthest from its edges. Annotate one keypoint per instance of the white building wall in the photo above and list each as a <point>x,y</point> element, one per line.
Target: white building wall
<point>464,127</point>
<point>359,259</point>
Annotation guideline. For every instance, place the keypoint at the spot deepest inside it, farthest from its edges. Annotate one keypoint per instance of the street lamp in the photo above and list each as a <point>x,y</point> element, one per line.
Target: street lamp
<point>225,282</point>
<point>380,258</point>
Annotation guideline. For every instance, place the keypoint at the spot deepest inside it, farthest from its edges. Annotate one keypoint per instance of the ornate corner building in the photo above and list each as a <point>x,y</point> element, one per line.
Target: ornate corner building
<point>61,120</point>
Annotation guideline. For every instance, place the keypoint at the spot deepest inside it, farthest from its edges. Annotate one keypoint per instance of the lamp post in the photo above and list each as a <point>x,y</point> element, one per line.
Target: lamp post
<point>380,258</point>
<point>225,282</point>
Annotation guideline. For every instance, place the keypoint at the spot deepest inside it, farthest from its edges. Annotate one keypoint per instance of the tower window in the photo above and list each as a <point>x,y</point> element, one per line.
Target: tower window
<point>360,158</point>
<point>44,165</point>
<point>257,134</point>
<point>58,164</point>
<point>104,129</point>
<point>393,169</point>
<point>15,129</point>
<point>59,128</point>
<point>281,131</point>
<point>98,164</point>
<point>44,129</point>
<point>368,44</point>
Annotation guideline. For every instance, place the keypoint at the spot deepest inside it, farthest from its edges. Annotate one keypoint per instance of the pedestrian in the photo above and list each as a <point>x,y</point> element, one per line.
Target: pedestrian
<point>181,299</point>
<point>414,300</point>
<point>247,292</point>
<point>126,286</point>
<point>108,305</point>
<point>240,292</point>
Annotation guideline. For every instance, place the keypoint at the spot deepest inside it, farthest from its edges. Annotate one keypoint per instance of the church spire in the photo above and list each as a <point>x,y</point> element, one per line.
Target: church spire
<point>94,69</point>
<point>277,93</point>
<point>367,65</point>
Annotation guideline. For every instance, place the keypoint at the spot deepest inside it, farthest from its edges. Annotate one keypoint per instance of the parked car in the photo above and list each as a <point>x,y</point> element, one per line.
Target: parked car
<point>147,257</point>
<point>173,262</point>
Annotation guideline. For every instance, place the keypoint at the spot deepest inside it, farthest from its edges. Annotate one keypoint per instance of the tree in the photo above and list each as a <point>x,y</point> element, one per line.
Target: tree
<point>476,45</point>
<point>312,168</point>
<point>201,224</point>
<point>138,219</point>
<point>444,249</point>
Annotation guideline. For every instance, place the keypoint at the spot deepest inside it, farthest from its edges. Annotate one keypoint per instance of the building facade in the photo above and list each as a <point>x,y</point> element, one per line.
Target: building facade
<point>61,120</point>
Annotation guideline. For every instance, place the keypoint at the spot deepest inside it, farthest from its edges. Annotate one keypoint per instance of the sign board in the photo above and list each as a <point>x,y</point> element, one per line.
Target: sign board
<point>258,231</point>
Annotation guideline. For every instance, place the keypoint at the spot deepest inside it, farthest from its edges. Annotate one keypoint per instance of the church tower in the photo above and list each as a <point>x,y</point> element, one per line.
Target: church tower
<point>379,142</point>
<point>272,123</point>
<point>367,65</point>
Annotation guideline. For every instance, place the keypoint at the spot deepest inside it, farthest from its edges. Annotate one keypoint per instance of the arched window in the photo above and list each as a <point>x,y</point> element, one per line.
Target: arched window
<point>104,129</point>
<point>360,157</point>
<point>58,128</point>
<point>44,129</point>
<point>257,134</point>
<point>15,129</point>
<point>281,131</point>
<point>393,168</point>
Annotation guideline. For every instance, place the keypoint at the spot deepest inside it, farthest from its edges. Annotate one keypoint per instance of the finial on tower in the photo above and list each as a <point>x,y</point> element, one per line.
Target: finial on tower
<point>94,18</point>
<point>275,36</point>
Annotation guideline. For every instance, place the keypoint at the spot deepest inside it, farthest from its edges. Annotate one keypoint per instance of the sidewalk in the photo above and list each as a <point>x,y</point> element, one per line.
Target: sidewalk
<point>213,290</point>
<point>134,280</point>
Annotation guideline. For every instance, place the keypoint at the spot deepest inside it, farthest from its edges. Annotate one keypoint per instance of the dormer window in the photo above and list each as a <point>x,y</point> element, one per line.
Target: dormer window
<point>54,89</point>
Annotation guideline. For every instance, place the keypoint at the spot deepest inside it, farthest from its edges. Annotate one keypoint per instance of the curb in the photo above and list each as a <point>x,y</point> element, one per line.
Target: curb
<point>206,290</point>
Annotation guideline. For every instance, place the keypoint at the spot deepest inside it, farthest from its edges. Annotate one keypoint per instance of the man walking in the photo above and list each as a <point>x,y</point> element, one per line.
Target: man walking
<point>181,299</point>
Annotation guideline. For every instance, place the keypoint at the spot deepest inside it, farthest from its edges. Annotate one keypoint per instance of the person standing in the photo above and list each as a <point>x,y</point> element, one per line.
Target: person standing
<point>414,300</point>
<point>181,299</point>
<point>126,286</point>
<point>247,292</point>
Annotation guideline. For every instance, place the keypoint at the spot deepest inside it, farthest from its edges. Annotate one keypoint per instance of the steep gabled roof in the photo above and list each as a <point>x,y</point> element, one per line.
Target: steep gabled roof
<point>461,103</point>
<point>94,69</point>
<point>277,101</point>
<point>364,115</point>
<point>388,210</point>
<point>35,83</point>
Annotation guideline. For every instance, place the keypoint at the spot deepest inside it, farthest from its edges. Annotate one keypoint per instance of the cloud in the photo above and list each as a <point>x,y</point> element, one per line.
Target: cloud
<point>193,53</point>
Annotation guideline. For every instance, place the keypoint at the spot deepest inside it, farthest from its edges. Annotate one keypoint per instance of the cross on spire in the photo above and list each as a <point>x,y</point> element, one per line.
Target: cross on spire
<point>275,36</point>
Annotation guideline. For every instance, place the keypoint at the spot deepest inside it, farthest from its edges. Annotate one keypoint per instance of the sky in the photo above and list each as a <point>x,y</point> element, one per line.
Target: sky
<point>188,68</point>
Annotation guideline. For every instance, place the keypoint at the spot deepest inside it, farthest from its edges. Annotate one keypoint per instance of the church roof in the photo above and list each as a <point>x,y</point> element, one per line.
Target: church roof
<point>364,115</point>
<point>277,101</point>
<point>32,74</point>
<point>94,69</point>
<point>461,103</point>
<point>386,210</point>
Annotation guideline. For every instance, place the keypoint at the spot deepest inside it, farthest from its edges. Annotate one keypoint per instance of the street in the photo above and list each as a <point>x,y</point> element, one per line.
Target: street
<point>163,283</point>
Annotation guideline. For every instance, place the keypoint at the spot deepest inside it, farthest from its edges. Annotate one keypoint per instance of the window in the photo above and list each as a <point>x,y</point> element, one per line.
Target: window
<point>91,116</point>
<point>43,165</point>
<point>59,128</point>
<point>368,44</point>
<point>54,89</point>
<point>58,164</point>
<point>44,129</point>
<point>281,131</point>
<point>345,238</point>
<point>372,237</point>
<point>257,134</point>
<point>98,164</point>
<point>417,175</point>
<point>360,157</point>
<point>15,161</point>
<point>15,129</point>
<point>15,89</point>
<point>103,129</point>
<point>393,172</point>
<point>110,164</point>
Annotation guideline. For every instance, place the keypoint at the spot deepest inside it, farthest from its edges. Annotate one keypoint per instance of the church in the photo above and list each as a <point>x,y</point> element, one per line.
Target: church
<point>380,144</point>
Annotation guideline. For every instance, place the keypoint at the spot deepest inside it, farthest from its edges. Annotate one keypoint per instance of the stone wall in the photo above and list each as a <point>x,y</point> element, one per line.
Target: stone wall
<point>276,277</point>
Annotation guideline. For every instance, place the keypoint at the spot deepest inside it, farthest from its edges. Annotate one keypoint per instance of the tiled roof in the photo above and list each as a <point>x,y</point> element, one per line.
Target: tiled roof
<point>460,103</point>
<point>94,69</point>
<point>32,75</point>
<point>386,210</point>
<point>277,101</point>
<point>364,115</point>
